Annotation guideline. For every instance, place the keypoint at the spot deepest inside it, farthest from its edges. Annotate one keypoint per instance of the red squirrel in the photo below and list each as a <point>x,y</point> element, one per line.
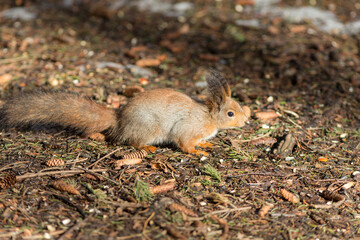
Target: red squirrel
<point>150,118</point>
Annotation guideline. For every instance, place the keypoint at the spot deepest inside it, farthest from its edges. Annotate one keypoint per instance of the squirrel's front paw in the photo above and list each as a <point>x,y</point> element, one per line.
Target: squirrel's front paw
<point>199,152</point>
<point>206,145</point>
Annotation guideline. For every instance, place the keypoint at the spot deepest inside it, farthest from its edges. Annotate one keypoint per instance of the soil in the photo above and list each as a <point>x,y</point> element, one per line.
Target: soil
<point>293,175</point>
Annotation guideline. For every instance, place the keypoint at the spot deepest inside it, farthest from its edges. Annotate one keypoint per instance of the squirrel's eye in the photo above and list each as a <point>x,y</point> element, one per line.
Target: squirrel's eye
<point>230,113</point>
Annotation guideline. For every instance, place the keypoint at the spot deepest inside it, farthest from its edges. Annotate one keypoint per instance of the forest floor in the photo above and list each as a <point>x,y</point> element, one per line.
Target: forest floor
<point>292,175</point>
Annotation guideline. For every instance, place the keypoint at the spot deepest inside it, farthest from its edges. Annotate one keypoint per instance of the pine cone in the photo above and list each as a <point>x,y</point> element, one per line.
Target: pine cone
<point>65,187</point>
<point>55,162</point>
<point>8,181</point>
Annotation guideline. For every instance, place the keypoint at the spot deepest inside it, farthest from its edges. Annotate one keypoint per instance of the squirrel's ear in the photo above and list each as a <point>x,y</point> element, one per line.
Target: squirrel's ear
<point>219,89</point>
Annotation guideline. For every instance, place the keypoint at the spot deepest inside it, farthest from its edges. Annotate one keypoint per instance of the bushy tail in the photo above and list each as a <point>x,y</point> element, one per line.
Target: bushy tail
<point>65,110</point>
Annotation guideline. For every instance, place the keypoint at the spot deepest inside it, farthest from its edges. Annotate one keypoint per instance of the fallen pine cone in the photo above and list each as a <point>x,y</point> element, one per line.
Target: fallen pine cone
<point>53,162</point>
<point>65,187</point>
<point>266,116</point>
<point>148,62</point>
<point>163,188</point>
<point>265,209</point>
<point>289,196</point>
<point>128,161</point>
<point>137,154</point>
<point>332,196</point>
<point>8,181</point>
<point>182,209</point>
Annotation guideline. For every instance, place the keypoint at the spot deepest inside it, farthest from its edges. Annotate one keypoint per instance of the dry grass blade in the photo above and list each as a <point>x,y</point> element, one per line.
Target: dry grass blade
<point>265,209</point>
<point>65,187</point>
<point>137,154</point>
<point>54,162</point>
<point>8,181</point>
<point>163,188</point>
<point>332,196</point>
<point>289,196</point>
<point>131,161</point>
<point>182,209</point>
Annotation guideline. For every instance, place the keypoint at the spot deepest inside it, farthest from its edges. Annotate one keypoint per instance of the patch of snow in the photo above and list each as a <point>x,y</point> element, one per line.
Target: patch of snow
<point>20,13</point>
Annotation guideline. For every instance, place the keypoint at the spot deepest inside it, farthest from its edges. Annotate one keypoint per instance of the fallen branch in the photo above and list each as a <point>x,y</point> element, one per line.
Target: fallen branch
<point>32,175</point>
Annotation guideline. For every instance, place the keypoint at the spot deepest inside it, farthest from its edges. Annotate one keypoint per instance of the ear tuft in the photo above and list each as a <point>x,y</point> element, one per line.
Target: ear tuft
<point>219,90</point>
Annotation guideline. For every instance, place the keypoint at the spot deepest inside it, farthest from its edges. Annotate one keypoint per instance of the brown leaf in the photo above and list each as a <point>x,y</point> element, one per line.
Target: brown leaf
<point>65,187</point>
<point>53,162</point>
<point>289,196</point>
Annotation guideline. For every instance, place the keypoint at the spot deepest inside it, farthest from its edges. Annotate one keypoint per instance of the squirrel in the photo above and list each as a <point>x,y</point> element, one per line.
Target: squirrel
<point>153,117</point>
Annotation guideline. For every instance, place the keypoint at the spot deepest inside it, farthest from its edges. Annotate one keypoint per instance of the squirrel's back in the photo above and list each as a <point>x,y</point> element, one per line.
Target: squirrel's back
<point>49,109</point>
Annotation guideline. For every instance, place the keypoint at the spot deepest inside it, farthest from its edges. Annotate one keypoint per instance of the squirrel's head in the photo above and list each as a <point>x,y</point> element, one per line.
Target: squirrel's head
<point>225,110</point>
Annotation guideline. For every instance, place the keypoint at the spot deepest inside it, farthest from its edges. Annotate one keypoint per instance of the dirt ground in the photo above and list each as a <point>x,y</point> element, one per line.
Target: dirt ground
<point>292,175</point>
